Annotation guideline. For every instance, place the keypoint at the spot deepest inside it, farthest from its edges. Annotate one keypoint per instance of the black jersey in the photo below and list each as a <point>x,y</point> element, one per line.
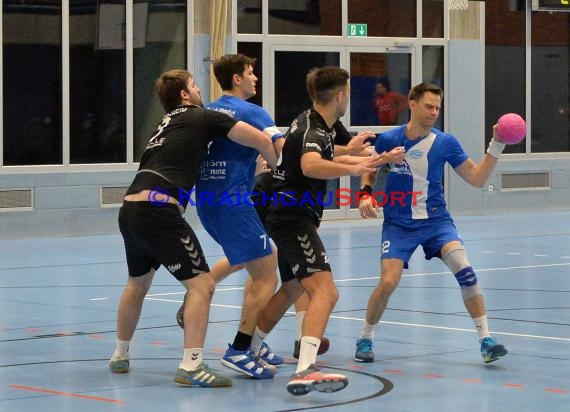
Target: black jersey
<point>174,152</point>
<point>294,192</point>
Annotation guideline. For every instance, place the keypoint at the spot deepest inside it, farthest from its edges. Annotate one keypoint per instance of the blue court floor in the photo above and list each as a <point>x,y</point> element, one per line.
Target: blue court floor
<point>58,301</point>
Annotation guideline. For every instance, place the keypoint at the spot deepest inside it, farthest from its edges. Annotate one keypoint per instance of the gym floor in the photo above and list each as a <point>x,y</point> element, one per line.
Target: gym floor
<point>59,296</point>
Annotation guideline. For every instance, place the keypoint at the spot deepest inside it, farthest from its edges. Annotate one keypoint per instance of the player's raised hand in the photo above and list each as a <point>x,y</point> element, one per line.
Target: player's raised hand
<point>357,145</point>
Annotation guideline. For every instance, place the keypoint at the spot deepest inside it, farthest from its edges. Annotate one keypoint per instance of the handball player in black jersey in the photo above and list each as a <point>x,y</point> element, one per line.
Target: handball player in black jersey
<point>154,230</point>
<point>299,184</point>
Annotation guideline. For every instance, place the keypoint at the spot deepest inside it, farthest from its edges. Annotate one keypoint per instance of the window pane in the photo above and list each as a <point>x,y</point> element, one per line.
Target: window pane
<point>159,45</point>
<point>504,66</point>
<point>254,50</point>
<point>31,35</point>
<point>379,83</point>
<point>249,16</point>
<point>314,17</point>
<point>550,82</point>
<point>432,18</point>
<point>432,72</point>
<point>291,68</point>
<point>385,18</point>
<point>97,81</point>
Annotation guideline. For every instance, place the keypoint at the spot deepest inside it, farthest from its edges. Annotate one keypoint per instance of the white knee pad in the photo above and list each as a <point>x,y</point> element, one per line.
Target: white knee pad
<point>456,260</point>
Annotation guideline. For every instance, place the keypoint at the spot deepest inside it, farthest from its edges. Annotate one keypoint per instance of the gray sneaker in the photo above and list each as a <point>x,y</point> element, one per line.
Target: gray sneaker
<point>119,365</point>
<point>202,376</point>
<point>363,351</point>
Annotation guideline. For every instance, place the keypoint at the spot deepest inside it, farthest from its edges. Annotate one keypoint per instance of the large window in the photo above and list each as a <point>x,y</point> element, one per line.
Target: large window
<point>159,40</point>
<point>507,68</point>
<point>550,96</point>
<point>32,104</point>
<point>71,81</point>
<point>385,18</point>
<point>291,68</point>
<point>97,78</point>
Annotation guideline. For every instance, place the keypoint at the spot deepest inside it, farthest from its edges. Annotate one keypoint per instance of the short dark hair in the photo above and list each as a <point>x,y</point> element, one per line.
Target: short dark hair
<point>226,66</point>
<point>419,90</point>
<point>324,82</point>
<point>384,82</point>
<point>169,85</point>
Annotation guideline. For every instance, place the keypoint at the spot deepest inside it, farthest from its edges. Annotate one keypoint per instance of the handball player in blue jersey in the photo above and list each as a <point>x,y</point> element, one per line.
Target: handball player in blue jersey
<point>223,191</point>
<point>415,213</point>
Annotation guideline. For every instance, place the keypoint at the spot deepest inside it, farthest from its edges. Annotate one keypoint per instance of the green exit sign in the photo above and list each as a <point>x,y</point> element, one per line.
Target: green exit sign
<point>357,30</point>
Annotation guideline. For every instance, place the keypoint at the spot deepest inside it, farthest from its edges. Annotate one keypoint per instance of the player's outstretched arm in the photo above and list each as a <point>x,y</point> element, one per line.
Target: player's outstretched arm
<point>313,165</point>
<point>247,135</point>
<point>478,174</point>
<point>357,145</point>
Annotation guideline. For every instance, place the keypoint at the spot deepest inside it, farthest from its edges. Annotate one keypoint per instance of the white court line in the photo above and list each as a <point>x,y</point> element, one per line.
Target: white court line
<point>477,270</point>
<point>99,299</point>
<point>420,325</point>
<point>417,325</point>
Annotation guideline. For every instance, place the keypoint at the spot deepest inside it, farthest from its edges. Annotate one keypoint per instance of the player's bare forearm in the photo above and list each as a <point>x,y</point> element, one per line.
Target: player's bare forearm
<point>349,160</point>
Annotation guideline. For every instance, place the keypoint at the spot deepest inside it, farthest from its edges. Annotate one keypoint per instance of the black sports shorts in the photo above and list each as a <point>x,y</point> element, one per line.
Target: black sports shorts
<point>299,247</point>
<point>159,235</point>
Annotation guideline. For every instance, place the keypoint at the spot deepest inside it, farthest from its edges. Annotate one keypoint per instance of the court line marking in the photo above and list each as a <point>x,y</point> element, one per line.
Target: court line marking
<point>223,289</point>
<point>72,395</point>
<point>420,325</point>
<point>477,270</point>
<point>417,325</point>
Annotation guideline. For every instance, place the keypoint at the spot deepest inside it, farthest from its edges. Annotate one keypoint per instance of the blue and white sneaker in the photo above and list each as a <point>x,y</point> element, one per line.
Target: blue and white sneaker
<point>363,351</point>
<point>269,356</point>
<point>244,361</point>
<point>491,350</point>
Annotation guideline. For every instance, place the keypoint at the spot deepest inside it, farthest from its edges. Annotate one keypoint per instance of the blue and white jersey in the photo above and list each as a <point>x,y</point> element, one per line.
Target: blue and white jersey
<point>227,173</point>
<point>414,189</point>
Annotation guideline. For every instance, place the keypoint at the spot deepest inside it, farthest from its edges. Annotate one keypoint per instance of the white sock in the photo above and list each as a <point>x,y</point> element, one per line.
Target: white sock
<point>481,326</point>
<point>308,352</point>
<point>121,349</point>
<point>192,358</point>
<point>300,317</point>
<point>256,341</point>
<point>368,330</point>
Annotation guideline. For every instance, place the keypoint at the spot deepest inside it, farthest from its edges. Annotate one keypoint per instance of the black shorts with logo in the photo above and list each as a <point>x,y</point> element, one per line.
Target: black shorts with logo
<point>299,247</point>
<point>159,235</point>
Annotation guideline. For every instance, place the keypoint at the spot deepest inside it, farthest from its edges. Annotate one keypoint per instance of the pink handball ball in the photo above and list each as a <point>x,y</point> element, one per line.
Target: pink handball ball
<point>511,128</point>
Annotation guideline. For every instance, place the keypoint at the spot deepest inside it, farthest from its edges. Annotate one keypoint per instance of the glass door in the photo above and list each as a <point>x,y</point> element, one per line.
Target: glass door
<point>380,80</point>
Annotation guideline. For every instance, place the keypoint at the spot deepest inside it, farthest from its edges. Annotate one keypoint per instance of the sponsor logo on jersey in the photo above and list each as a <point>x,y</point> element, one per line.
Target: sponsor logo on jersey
<point>313,145</point>
<point>416,154</point>
<point>229,112</point>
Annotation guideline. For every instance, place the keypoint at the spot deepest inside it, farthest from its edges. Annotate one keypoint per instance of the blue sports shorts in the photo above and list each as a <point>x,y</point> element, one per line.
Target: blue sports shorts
<point>238,231</point>
<point>400,242</point>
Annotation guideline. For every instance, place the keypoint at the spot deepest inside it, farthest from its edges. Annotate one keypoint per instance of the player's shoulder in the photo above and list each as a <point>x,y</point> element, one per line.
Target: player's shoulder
<point>392,134</point>
<point>443,137</point>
